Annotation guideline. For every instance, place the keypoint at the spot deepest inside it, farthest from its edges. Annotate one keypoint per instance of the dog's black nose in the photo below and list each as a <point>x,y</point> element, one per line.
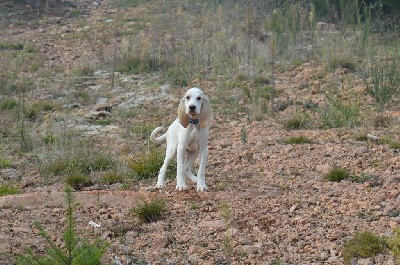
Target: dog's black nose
<point>192,107</point>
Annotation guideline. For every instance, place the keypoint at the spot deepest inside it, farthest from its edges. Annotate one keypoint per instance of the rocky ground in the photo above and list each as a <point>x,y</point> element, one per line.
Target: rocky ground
<point>268,202</point>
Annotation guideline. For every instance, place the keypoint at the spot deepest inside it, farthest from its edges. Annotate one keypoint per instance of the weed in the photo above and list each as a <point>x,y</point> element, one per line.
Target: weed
<point>227,245</point>
<point>382,121</point>
<point>147,164</point>
<point>361,137</point>
<point>362,178</point>
<point>135,65</point>
<point>7,190</point>
<point>9,104</point>
<point>384,81</point>
<point>81,95</point>
<point>298,140</point>
<point>112,177</point>
<point>10,46</point>
<point>299,120</point>
<point>392,143</point>
<point>394,243</point>
<point>104,122</point>
<point>74,249</point>
<point>342,62</point>
<point>32,112</point>
<point>337,174</point>
<point>4,163</point>
<point>338,113</point>
<point>150,211</point>
<point>367,216</point>
<point>78,180</point>
<point>142,130</point>
<point>363,245</point>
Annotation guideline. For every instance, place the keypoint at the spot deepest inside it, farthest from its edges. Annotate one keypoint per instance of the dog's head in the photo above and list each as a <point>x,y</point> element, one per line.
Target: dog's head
<point>196,106</point>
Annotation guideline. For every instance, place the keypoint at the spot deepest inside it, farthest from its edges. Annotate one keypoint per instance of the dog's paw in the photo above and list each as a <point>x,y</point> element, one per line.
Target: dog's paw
<point>181,187</point>
<point>160,185</point>
<point>201,188</point>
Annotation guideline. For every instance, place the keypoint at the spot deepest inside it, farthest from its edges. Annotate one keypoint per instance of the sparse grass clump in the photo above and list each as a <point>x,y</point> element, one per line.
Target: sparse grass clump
<point>337,174</point>
<point>394,243</point>
<point>363,245</point>
<point>143,131</point>
<point>7,190</point>
<point>339,113</point>
<point>298,140</point>
<point>32,111</point>
<point>4,163</point>
<point>299,120</point>
<point>150,211</point>
<point>147,165</point>
<point>78,180</point>
<point>112,177</point>
<point>9,104</point>
<point>342,62</point>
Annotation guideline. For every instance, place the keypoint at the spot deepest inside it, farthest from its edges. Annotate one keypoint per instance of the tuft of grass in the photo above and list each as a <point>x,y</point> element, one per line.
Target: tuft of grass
<point>74,250</point>
<point>143,131</point>
<point>104,122</point>
<point>338,113</point>
<point>392,143</point>
<point>298,140</point>
<point>361,137</point>
<point>4,163</point>
<point>337,174</point>
<point>82,160</point>
<point>7,190</point>
<point>363,245</point>
<point>342,62</point>
<point>11,46</point>
<point>150,211</point>
<point>385,79</point>
<point>300,120</point>
<point>32,111</point>
<point>112,177</point>
<point>136,65</point>
<point>382,121</point>
<point>78,180</point>
<point>147,165</point>
<point>394,243</point>
<point>9,104</point>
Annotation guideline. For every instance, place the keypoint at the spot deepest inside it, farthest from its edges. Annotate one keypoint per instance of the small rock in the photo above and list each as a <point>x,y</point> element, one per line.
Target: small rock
<point>324,256</point>
<point>159,244</point>
<point>367,261</point>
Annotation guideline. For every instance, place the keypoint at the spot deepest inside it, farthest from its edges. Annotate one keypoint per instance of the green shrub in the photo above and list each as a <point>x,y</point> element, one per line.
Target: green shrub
<point>363,245</point>
<point>338,113</point>
<point>33,110</point>
<point>8,104</point>
<point>337,174</point>
<point>150,211</point>
<point>112,177</point>
<point>74,250</point>
<point>394,243</point>
<point>298,140</point>
<point>342,62</point>
<point>7,190</point>
<point>4,163</point>
<point>147,165</point>
<point>300,120</point>
<point>78,180</point>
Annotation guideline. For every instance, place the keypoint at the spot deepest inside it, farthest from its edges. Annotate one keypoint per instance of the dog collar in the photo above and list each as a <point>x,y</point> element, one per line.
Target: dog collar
<point>193,121</point>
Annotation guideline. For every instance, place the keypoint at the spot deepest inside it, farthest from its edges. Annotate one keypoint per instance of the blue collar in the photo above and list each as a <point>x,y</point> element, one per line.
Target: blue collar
<point>194,121</point>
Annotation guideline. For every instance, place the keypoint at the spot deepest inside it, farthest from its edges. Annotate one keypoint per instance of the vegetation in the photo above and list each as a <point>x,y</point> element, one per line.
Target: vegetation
<point>147,165</point>
<point>337,174</point>
<point>74,250</point>
<point>363,245</point>
<point>394,243</point>
<point>298,140</point>
<point>7,190</point>
<point>150,211</point>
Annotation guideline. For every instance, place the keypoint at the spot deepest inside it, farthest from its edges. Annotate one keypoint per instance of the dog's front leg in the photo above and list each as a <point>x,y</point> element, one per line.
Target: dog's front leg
<point>180,159</point>
<point>201,175</point>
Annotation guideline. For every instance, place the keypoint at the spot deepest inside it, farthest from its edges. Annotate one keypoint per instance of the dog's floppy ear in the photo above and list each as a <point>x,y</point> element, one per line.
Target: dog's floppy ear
<point>206,115</point>
<point>183,118</point>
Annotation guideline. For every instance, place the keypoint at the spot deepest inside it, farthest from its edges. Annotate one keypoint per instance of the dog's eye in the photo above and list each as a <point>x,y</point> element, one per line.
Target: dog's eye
<point>198,98</point>
<point>187,97</point>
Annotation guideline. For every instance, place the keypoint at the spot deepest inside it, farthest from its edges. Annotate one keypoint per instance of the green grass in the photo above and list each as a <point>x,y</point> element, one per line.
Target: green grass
<point>32,111</point>
<point>342,62</point>
<point>394,244</point>
<point>11,46</point>
<point>298,140</point>
<point>339,113</point>
<point>337,174</point>
<point>83,160</point>
<point>147,165</point>
<point>298,121</point>
<point>4,163</point>
<point>104,122</point>
<point>150,211</point>
<point>78,180</point>
<point>363,245</point>
<point>9,104</point>
<point>113,177</point>
<point>7,190</point>
<point>143,131</point>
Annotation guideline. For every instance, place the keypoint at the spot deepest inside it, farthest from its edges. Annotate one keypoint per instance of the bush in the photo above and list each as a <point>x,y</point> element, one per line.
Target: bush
<point>150,211</point>
<point>337,113</point>
<point>363,245</point>
<point>78,181</point>
<point>7,190</point>
<point>73,251</point>
<point>299,120</point>
<point>8,104</point>
<point>337,175</point>
<point>147,165</point>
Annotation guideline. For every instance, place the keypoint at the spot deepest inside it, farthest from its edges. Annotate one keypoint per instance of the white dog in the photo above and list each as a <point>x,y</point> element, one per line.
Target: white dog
<point>187,137</point>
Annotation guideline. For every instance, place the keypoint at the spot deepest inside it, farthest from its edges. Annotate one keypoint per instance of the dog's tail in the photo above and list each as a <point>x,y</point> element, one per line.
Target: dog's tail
<point>159,139</point>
